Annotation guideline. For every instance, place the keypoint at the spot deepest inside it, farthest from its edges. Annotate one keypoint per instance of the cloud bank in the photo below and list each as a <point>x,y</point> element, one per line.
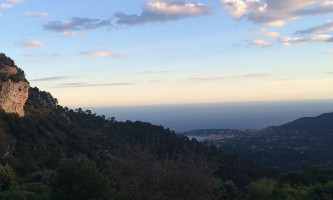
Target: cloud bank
<point>77,23</point>
<point>327,27</point>
<point>276,12</point>
<point>159,11</point>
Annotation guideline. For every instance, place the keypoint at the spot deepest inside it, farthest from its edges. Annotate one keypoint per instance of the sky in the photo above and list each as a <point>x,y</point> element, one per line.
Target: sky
<point>150,52</point>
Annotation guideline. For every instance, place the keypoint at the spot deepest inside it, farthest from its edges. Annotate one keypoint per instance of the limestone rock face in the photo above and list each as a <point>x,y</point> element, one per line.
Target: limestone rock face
<point>14,87</point>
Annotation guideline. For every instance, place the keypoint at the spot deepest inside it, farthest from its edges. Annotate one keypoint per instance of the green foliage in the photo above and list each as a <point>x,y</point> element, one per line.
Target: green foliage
<point>261,189</point>
<point>290,193</point>
<point>10,191</point>
<point>7,177</point>
<point>42,192</point>
<point>139,174</point>
<point>309,175</point>
<point>228,191</point>
<point>5,61</point>
<point>8,62</point>
<point>44,177</point>
<point>33,191</point>
<point>309,183</point>
<point>78,178</point>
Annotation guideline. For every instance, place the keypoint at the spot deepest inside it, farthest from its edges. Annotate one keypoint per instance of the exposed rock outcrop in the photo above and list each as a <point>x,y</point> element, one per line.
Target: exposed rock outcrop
<point>13,86</point>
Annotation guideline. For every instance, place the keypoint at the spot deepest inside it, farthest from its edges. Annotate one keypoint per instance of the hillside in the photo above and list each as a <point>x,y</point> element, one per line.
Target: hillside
<point>313,126</point>
<point>286,147</point>
<point>130,155</point>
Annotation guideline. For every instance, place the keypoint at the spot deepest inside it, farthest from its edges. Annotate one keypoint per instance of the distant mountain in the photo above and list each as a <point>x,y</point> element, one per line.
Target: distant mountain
<point>315,126</point>
<point>286,147</point>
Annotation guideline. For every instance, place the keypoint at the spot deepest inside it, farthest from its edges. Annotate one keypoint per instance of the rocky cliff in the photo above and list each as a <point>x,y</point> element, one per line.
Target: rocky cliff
<point>13,86</point>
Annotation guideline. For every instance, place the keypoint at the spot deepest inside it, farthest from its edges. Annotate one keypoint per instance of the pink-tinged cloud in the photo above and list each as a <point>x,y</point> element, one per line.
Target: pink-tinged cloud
<point>172,8</point>
<point>38,14</point>
<point>243,76</point>
<point>15,1</point>
<point>327,27</point>
<point>99,53</point>
<point>288,41</point>
<point>26,43</point>
<point>159,11</point>
<point>320,37</point>
<point>261,42</point>
<point>68,33</point>
<point>276,12</point>
<point>206,78</point>
<point>6,5</point>
<point>272,35</point>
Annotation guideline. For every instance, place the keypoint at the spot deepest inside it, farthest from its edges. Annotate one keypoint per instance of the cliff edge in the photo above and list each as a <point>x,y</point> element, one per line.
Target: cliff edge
<point>14,87</point>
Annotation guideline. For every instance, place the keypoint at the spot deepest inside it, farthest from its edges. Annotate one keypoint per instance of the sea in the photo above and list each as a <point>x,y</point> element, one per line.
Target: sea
<point>240,115</point>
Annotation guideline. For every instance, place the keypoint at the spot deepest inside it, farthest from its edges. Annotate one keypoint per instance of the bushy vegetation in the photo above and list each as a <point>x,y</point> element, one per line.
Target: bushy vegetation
<point>5,61</point>
<point>8,62</point>
<point>309,183</point>
<point>78,178</point>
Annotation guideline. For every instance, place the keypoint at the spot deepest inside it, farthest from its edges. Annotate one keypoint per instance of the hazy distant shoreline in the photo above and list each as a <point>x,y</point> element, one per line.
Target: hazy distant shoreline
<point>240,115</point>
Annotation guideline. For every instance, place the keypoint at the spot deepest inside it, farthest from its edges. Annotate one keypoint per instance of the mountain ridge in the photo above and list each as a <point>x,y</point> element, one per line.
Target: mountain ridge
<point>322,124</point>
<point>286,147</point>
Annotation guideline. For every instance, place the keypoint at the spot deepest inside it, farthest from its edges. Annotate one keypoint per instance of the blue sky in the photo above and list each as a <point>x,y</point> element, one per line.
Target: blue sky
<point>112,52</point>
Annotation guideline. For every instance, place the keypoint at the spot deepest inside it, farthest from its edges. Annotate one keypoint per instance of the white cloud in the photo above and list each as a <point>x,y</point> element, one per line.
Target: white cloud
<point>174,8</point>
<point>159,11</point>
<point>26,43</point>
<point>320,37</point>
<point>99,53</point>
<point>6,5</point>
<point>261,42</point>
<point>327,27</point>
<point>275,23</point>
<point>276,12</point>
<point>15,1</point>
<point>271,34</point>
<point>237,8</point>
<point>39,14</point>
<point>288,41</point>
<point>77,24</point>
<point>68,33</point>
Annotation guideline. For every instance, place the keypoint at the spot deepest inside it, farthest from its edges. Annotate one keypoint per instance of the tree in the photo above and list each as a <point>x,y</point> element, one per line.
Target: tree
<point>31,191</point>
<point>228,191</point>
<point>78,178</point>
<point>7,177</point>
<point>261,189</point>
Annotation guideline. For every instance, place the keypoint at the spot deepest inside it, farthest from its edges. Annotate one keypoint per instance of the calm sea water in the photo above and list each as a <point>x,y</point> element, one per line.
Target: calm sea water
<point>249,115</point>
